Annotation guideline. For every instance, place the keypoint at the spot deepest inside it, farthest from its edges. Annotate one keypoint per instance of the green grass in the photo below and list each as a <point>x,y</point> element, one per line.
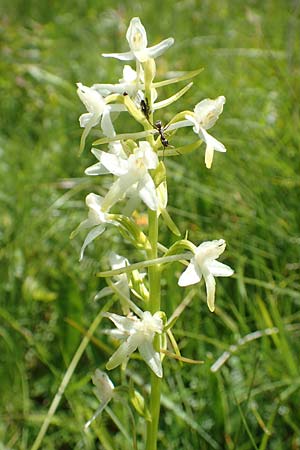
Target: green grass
<point>250,52</point>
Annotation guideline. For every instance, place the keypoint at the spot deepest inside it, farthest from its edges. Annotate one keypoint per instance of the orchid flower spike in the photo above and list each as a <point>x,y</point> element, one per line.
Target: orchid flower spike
<point>205,115</point>
<point>97,110</point>
<point>137,40</point>
<point>137,333</point>
<point>97,220</point>
<point>204,263</point>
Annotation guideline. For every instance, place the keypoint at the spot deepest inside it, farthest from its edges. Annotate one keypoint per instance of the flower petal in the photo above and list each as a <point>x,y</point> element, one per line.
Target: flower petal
<point>123,352</point>
<point>136,35</point>
<point>218,269</point>
<point>147,192</point>
<point>96,169</point>
<point>106,124</point>
<point>113,163</point>
<point>117,191</point>
<point>209,250</point>
<point>126,56</point>
<point>124,324</point>
<point>151,357</point>
<point>93,234</point>
<point>190,275</point>
<point>207,111</point>
<point>150,158</point>
<point>158,49</point>
<point>210,290</point>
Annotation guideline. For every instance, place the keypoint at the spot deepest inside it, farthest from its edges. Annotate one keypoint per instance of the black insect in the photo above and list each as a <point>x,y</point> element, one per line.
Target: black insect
<point>145,108</point>
<point>157,125</point>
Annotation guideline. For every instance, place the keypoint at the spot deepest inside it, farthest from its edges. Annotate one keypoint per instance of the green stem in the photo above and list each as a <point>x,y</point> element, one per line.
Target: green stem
<point>154,305</point>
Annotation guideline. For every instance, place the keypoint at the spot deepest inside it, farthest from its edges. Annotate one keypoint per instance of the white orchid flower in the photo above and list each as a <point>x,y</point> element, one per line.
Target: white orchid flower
<point>132,173</point>
<point>121,281</point>
<point>98,111</point>
<point>97,220</point>
<point>137,40</point>
<point>115,148</point>
<point>104,390</point>
<point>204,263</point>
<point>137,333</point>
<point>130,83</point>
<point>205,115</point>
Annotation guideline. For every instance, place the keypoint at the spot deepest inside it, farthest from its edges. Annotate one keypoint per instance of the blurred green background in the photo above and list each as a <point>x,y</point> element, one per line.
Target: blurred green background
<point>251,54</point>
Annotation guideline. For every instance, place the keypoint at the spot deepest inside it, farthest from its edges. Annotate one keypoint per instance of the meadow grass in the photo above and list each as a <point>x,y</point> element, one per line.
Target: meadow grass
<point>250,52</point>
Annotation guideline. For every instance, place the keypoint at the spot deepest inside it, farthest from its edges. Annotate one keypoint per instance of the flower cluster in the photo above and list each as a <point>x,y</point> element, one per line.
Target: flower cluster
<point>139,177</point>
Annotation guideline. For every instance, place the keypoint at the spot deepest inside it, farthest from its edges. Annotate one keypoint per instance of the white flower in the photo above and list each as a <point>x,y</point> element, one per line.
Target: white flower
<point>137,334</point>
<point>132,173</point>
<point>137,40</point>
<point>97,219</point>
<point>204,263</point>
<point>121,283</point>
<point>115,148</point>
<point>205,115</point>
<point>104,390</point>
<point>97,110</point>
<point>130,83</point>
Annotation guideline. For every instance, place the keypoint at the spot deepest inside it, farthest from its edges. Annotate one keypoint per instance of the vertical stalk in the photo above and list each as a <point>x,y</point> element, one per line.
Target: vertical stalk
<point>154,305</point>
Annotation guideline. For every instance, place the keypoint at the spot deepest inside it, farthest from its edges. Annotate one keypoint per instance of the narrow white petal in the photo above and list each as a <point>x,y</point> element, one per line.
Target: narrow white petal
<point>147,192</point>
<point>211,145</point>
<point>123,353</point>
<point>84,135</point>
<point>85,118</point>
<point>124,324</point>
<point>113,163</point>
<point>96,169</point>
<point>218,269</point>
<point>151,357</point>
<point>190,275</point>
<point>117,191</point>
<point>180,124</point>
<point>210,290</point>
<point>150,158</point>
<point>126,56</point>
<point>93,234</point>
<point>103,293</point>
<point>217,145</point>
<point>209,155</point>
<point>209,250</point>
<point>158,49</point>
<point>106,124</point>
